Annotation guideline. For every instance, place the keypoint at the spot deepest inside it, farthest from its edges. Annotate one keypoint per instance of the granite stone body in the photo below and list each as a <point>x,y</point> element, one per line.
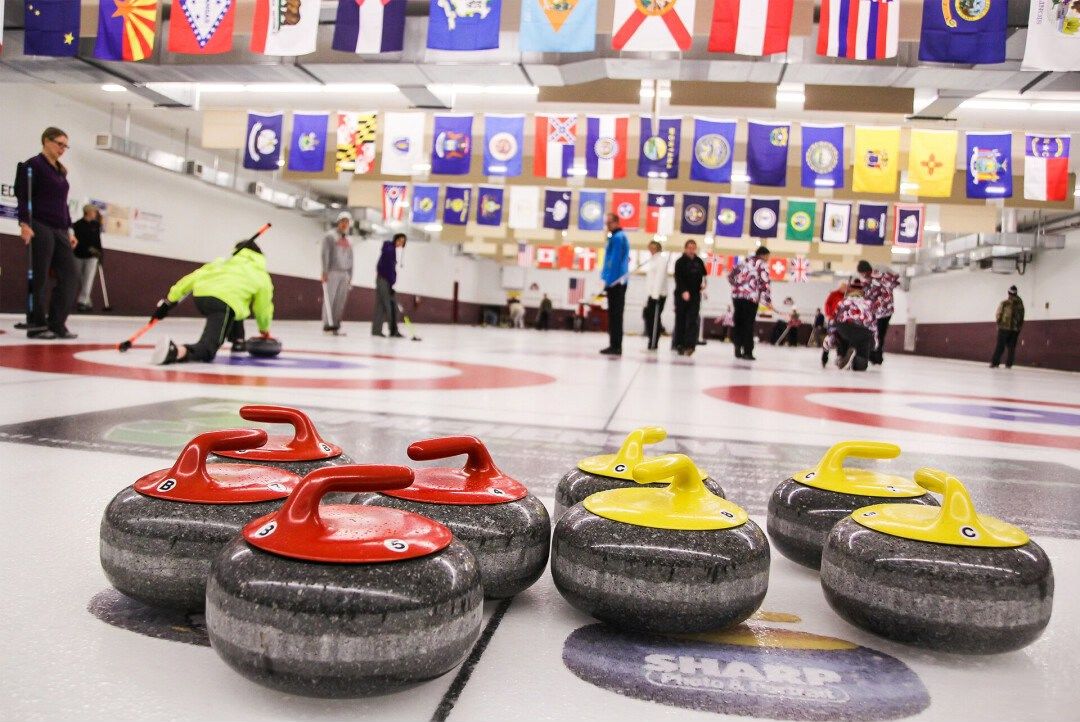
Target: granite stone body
<point>159,551</point>
<point>659,580</point>
<point>972,600</point>
<point>511,541</point>
<point>301,468</point>
<point>577,485</point>
<point>342,630</point>
<point>801,517</point>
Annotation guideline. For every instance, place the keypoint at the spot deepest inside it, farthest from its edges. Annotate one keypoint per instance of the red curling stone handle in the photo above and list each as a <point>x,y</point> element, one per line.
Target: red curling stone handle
<point>302,507</point>
<point>191,464</point>
<point>478,463</point>
<point>304,434</point>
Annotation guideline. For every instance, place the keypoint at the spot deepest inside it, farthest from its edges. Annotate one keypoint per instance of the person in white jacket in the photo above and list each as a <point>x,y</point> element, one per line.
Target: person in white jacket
<point>656,289</point>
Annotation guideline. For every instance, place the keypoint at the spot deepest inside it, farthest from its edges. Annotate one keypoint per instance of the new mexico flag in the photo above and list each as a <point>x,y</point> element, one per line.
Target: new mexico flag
<point>877,160</point>
<point>932,162</point>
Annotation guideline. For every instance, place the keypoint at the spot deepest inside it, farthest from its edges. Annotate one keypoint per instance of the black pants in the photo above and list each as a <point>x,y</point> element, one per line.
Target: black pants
<point>219,322</point>
<point>1005,340</point>
<point>50,249</point>
<point>616,301</point>
<point>543,321</point>
<point>743,333</point>
<point>685,333</point>
<point>653,308</point>
<point>792,338</point>
<point>861,338</point>
<point>882,328</point>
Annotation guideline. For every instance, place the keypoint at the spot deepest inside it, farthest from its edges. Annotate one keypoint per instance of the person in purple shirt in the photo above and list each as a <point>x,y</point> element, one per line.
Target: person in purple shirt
<point>41,187</point>
<point>386,277</point>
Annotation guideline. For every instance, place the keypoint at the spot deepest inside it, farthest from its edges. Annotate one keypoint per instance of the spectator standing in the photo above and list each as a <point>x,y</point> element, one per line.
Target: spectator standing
<point>87,254</point>
<point>543,317</point>
<point>656,290</point>
<point>614,275</point>
<point>817,331</point>
<point>879,291</point>
<point>831,302</point>
<point>337,270</point>
<point>689,283</point>
<point>1010,319</point>
<point>750,286</point>
<point>386,277</point>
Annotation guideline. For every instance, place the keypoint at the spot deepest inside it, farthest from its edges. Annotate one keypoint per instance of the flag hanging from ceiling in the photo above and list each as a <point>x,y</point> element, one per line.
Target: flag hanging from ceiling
<point>859,29</point>
<point>764,217</point>
<point>659,151</point>
<point>590,214</point>
<point>835,222</point>
<point>201,27</point>
<point>557,26</point>
<point>660,213</point>
<point>822,156</point>
<point>876,161</point>
<point>1052,32</point>
<point>715,263</point>
<point>870,226</point>
<point>355,143</point>
<point>778,268</point>
<point>524,206</point>
<point>545,256</point>
<point>126,29</point>
<point>556,136</point>
<point>932,162</point>
<point>575,291</point>
<point>750,27</point>
<point>52,28</point>
<point>585,258</point>
<point>524,255</point>
<point>971,32</point>
<point>1046,167</point>
<point>463,24</point>
<point>565,256</point>
<point>456,205</point>
<point>425,203</point>
<point>307,149</point>
<point>557,209</point>
<point>606,146</point>
<point>800,220</point>
<point>989,165</point>
<point>766,153</point>
<point>451,149</point>
<point>263,146</point>
<point>908,224</point>
<point>285,27</point>
<point>370,26</point>
<point>395,201</point>
<point>800,269</point>
<point>503,140</point>
<point>402,143</point>
<point>695,214</point>
<point>489,205</point>
<point>648,25</point>
<point>714,141</point>
<point>729,216</point>
<point>627,206</point>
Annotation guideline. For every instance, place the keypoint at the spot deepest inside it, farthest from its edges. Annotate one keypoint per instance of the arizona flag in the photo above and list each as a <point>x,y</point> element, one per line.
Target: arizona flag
<point>627,206</point>
<point>201,27</point>
<point>395,200</point>
<point>606,146</point>
<point>859,29</point>
<point>369,26</point>
<point>555,139</point>
<point>285,27</point>
<point>126,29</point>
<point>1046,167</point>
<point>660,213</point>
<point>750,27</point>
<point>653,25</point>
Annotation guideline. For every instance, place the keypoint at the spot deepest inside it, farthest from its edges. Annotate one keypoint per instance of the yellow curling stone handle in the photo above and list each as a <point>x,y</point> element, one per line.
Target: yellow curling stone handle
<point>831,475</point>
<point>955,523</point>
<point>631,453</point>
<point>685,504</point>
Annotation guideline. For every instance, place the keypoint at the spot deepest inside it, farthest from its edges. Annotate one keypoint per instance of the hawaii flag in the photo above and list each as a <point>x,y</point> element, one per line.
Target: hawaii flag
<point>660,213</point>
<point>876,161</point>
<point>355,143</point>
<point>653,25</point>
<point>201,27</point>
<point>524,207</point>
<point>750,27</point>
<point>395,199</point>
<point>1046,167</point>
<point>627,206</point>
<point>605,146</point>
<point>859,29</point>
<point>402,143</point>
<point>554,151</point>
<point>370,26</point>
<point>126,29</point>
<point>908,224</point>
<point>932,162</point>
<point>557,26</point>
<point>285,27</point>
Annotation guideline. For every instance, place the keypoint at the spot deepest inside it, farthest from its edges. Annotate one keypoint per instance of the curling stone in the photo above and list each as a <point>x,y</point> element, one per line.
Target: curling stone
<point>614,471</point>
<point>159,535</point>
<point>804,508</point>
<point>947,579</point>
<point>300,453</point>
<point>263,347</point>
<point>341,600</point>
<point>506,527</point>
<point>678,559</point>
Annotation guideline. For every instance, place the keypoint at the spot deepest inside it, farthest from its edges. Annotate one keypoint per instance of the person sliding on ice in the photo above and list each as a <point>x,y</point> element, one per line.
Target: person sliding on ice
<point>750,286</point>
<point>1010,319</point>
<point>337,267</point>
<point>879,292</point>
<point>386,277</point>
<point>854,331</point>
<point>225,290</point>
<point>831,302</point>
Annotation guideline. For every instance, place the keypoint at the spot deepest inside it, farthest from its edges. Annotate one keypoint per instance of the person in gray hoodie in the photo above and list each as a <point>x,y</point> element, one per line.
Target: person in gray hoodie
<point>337,268</point>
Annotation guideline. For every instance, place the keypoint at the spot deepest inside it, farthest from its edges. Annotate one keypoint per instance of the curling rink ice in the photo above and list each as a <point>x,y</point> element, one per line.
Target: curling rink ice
<point>80,421</point>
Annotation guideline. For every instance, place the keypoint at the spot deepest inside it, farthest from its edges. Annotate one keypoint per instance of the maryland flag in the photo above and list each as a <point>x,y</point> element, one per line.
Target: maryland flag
<point>932,162</point>
<point>355,143</point>
<point>876,160</point>
<point>126,29</point>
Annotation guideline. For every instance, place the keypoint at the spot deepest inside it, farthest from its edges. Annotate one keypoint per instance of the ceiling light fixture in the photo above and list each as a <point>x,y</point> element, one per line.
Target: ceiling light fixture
<point>740,178</point>
<point>454,89</point>
<point>994,104</point>
<point>1053,107</point>
<point>113,88</point>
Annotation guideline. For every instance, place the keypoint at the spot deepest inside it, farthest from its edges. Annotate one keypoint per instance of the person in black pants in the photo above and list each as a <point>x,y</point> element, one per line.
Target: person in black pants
<point>614,275</point>
<point>41,188</point>
<point>689,282</point>
<point>750,286</point>
<point>88,254</point>
<point>1010,319</point>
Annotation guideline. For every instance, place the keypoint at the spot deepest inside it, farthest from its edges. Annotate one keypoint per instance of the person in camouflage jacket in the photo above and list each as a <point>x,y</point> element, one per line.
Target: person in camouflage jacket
<point>1010,319</point>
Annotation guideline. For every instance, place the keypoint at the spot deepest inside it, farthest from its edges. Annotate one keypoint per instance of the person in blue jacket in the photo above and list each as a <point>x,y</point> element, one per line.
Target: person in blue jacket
<point>615,273</point>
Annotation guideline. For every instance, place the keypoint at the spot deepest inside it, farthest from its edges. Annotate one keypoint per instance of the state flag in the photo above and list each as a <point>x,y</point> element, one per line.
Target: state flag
<point>695,214</point>
<point>653,25</point>
<point>764,217</point>
<point>425,203</point>
<point>714,141</point>
<point>822,156</point>
<point>456,205</point>
<point>503,140</point>
<point>263,146</point>
<point>489,205</point>
<point>606,146</point>
<point>126,29</point>
<point>1052,31</point>
<point>201,27</point>
<point>451,150</point>
<point>395,201</point>
<point>778,268</point>
<point>908,224</point>
<point>627,206</point>
<point>876,161</point>
<point>463,24</point>
<point>835,222</point>
<point>402,143</point>
<point>870,227</point>
<point>369,26</point>
<point>1046,167</point>
<point>750,27</point>
<point>660,213</point>
<point>285,28</point>
<point>932,162</point>
<point>971,32</point>
<point>659,151</point>
<point>557,26</point>
<point>524,207</point>
<point>307,149</point>
<point>800,220</point>
<point>859,29</point>
<point>557,209</point>
<point>729,216</point>
<point>52,28</point>
<point>556,136</point>
<point>355,143</point>
<point>766,153</point>
<point>590,216</point>
<point>989,165</point>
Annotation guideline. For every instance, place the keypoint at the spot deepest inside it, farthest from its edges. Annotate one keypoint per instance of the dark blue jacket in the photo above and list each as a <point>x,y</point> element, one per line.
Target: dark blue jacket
<point>50,194</point>
<point>387,267</point>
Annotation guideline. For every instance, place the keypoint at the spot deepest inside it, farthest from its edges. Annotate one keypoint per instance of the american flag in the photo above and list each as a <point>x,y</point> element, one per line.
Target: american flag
<point>575,292</point>
<point>525,256</point>
<point>800,269</point>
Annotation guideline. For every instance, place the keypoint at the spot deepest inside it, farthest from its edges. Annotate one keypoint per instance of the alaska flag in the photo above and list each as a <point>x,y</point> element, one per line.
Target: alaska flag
<point>766,153</point>
<point>558,27</point>
<point>456,205</point>
<point>503,138</point>
<point>425,203</point>
<point>456,25</point>
<point>764,217</point>
<point>870,228</point>
<point>590,214</point>
<point>659,152</point>
<point>714,144</point>
<point>451,150</point>
<point>695,214</point>
<point>262,147</point>
<point>489,206</point>
<point>307,149</point>
<point>370,26</point>
<point>52,28</point>
<point>729,216</point>
<point>557,209</point>
<point>989,165</point>
<point>126,29</point>
<point>823,156</point>
<point>963,31</point>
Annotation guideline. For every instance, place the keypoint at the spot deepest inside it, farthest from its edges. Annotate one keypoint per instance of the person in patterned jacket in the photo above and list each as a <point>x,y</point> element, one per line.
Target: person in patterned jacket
<point>879,291</point>
<point>750,287</point>
<point>854,332</point>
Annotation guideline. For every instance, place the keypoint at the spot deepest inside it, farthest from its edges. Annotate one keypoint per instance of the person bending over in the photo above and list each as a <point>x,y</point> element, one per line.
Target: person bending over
<point>831,302</point>
<point>854,332</point>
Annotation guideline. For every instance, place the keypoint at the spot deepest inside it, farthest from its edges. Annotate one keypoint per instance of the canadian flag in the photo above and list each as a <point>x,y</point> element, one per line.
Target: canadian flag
<point>545,257</point>
<point>750,27</point>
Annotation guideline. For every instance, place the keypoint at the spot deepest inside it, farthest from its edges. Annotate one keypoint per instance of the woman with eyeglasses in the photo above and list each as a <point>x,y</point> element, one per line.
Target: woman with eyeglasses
<point>41,188</point>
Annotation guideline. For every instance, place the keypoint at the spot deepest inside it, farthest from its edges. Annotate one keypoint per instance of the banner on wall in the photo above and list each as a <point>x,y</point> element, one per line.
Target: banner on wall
<point>1046,167</point>
<point>285,27</point>
<point>503,140</point>
<point>262,148</point>
<point>451,147</point>
<point>729,216</point>
<point>835,222</point>
<point>932,162</point>
<point>695,214</point>
<point>402,143</point>
<point>566,26</point>
<point>307,149</point>
<point>201,27</point>
<point>456,25</point>
<point>766,153</point>
<point>370,26</point>
<point>714,143</point>
<point>822,156</point>
<point>146,225</point>
<point>489,206</point>
<point>591,210</point>
<point>425,203</point>
<point>606,146</point>
<point>989,165</point>
<point>546,257</point>
<point>870,226</point>
<point>585,258</point>
<point>908,224</point>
